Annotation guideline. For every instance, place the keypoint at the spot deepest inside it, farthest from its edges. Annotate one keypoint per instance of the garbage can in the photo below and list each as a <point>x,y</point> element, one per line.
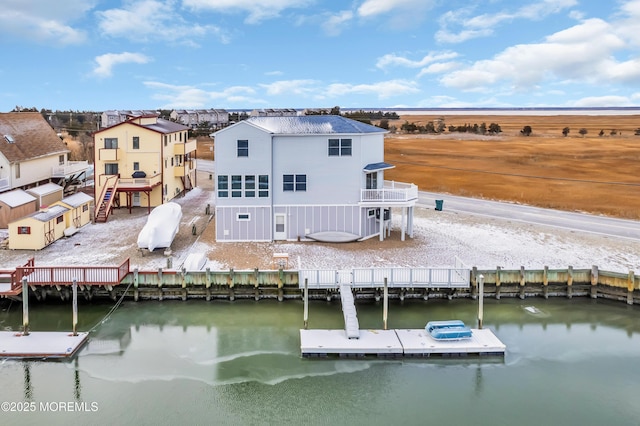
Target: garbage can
<point>439,205</point>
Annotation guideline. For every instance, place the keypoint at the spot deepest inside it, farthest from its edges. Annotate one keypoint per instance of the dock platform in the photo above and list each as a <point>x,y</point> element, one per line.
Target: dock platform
<point>397,343</point>
<point>40,344</point>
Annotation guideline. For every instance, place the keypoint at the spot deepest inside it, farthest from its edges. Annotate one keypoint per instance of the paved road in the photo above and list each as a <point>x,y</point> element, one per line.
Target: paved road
<point>602,225</point>
<point>567,220</point>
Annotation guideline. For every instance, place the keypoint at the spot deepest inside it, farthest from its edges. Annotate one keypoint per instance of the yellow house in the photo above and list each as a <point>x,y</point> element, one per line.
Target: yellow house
<point>38,230</point>
<point>144,161</point>
<point>79,205</point>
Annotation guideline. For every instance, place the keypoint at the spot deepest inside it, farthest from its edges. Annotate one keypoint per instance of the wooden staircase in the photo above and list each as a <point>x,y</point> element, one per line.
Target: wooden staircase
<point>106,200</point>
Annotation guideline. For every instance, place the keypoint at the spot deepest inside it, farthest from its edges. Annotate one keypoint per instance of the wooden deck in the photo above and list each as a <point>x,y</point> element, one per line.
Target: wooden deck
<point>397,343</point>
<point>40,344</point>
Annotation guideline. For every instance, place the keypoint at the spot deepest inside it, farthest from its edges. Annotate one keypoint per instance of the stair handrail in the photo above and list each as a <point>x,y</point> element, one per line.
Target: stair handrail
<point>103,193</point>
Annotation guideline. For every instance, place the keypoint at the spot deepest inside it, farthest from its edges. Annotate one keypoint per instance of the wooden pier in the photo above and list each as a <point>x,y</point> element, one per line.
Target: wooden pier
<point>397,343</point>
<point>40,344</point>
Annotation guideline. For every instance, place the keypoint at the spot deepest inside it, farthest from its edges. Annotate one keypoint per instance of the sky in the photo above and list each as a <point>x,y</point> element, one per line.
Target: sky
<point>95,55</point>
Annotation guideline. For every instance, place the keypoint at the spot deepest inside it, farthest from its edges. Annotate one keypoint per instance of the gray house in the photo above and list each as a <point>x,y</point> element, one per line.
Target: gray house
<point>306,177</point>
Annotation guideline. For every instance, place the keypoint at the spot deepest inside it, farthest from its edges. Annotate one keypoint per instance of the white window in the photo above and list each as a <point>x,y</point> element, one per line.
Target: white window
<point>243,148</point>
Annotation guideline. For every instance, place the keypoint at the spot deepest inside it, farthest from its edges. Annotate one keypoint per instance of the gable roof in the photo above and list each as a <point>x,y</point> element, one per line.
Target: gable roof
<point>161,125</point>
<point>32,137</point>
<point>16,198</point>
<point>312,124</point>
<point>48,213</point>
<point>46,189</point>
<point>76,200</point>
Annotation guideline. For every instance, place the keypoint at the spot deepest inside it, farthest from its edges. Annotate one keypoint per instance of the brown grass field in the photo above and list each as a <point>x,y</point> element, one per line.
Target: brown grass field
<point>595,174</point>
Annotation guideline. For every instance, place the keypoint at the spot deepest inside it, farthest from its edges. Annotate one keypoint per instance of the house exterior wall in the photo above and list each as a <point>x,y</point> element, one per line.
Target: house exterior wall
<point>333,184</point>
<point>35,240</point>
<point>76,216</point>
<point>10,213</point>
<point>29,172</point>
<point>158,155</point>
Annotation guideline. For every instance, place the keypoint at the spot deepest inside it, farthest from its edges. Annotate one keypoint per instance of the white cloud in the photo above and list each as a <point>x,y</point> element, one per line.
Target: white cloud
<point>106,62</point>
<point>383,89</point>
<point>438,68</point>
<point>184,96</point>
<point>582,53</point>
<point>401,14</point>
<point>391,59</point>
<point>146,20</point>
<point>258,10</point>
<point>334,25</point>
<point>44,21</point>
<point>483,25</point>
<point>602,101</point>
<point>295,87</point>
<point>378,7</point>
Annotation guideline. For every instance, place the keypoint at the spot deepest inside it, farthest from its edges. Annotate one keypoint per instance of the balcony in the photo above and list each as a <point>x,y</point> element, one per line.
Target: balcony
<point>139,183</point>
<point>184,148</point>
<point>109,154</point>
<point>393,193</point>
<point>69,169</point>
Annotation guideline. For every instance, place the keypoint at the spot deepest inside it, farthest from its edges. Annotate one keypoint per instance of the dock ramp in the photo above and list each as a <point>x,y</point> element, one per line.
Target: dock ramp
<point>351,325</point>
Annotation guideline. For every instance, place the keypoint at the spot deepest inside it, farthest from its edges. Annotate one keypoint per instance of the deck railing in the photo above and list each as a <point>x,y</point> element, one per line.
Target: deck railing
<point>70,168</point>
<point>392,192</point>
<point>396,277</point>
<point>64,275</point>
<point>140,182</point>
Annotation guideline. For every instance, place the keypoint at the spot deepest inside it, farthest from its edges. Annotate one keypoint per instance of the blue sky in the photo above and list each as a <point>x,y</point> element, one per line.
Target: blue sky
<point>147,54</point>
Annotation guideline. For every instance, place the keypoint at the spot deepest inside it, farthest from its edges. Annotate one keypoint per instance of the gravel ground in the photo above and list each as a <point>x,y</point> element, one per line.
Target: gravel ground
<point>439,236</point>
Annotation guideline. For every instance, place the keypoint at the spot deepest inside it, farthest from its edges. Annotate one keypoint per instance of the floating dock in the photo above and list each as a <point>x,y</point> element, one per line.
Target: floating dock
<point>40,344</point>
<point>397,343</point>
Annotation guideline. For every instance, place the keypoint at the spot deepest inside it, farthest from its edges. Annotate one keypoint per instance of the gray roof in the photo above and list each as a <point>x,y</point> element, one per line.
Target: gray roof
<point>378,166</point>
<point>49,213</point>
<point>166,126</point>
<point>313,124</point>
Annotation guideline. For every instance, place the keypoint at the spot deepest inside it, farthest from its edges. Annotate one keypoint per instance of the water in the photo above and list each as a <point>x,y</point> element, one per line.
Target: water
<point>238,363</point>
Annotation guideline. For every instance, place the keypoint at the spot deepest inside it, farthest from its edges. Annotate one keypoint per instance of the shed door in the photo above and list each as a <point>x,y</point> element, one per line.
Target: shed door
<point>280,226</point>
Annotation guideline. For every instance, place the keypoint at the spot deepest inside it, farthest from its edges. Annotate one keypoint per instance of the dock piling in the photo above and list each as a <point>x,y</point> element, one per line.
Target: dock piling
<point>480,300</point>
<point>25,307</point>
<point>75,307</point>
<point>306,303</point>
<point>385,304</point>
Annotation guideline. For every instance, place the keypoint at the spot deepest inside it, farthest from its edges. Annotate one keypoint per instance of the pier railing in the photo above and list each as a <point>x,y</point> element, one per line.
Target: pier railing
<point>64,275</point>
<point>375,278</point>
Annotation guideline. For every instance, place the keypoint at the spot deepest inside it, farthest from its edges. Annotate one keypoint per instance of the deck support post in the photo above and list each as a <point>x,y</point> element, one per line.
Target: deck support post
<point>594,282</point>
<point>75,307</point>
<point>306,304</point>
<point>480,300</point>
<point>25,307</point>
<point>385,304</point>
<point>403,223</point>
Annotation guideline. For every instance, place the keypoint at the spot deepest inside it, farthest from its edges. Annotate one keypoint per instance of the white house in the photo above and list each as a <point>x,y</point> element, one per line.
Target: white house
<point>305,177</point>
<point>31,153</point>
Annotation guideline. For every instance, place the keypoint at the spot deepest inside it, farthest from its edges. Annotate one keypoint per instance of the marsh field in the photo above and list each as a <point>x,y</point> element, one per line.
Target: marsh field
<point>590,173</point>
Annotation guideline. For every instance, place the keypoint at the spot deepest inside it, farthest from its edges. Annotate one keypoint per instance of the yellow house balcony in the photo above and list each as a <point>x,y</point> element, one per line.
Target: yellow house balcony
<point>393,193</point>
<point>134,183</point>
<point>178,171</point>
<point>184,148</point>
<point>109,154</point>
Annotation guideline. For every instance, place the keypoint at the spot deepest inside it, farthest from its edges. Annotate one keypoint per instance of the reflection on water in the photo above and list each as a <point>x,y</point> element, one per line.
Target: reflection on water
<point>239,363</point>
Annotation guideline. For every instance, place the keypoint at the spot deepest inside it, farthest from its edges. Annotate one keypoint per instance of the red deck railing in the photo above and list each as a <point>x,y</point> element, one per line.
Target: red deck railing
<point>64,275</point>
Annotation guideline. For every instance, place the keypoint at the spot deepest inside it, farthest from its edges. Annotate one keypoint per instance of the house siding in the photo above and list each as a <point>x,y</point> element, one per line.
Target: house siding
<point>331,200</point>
